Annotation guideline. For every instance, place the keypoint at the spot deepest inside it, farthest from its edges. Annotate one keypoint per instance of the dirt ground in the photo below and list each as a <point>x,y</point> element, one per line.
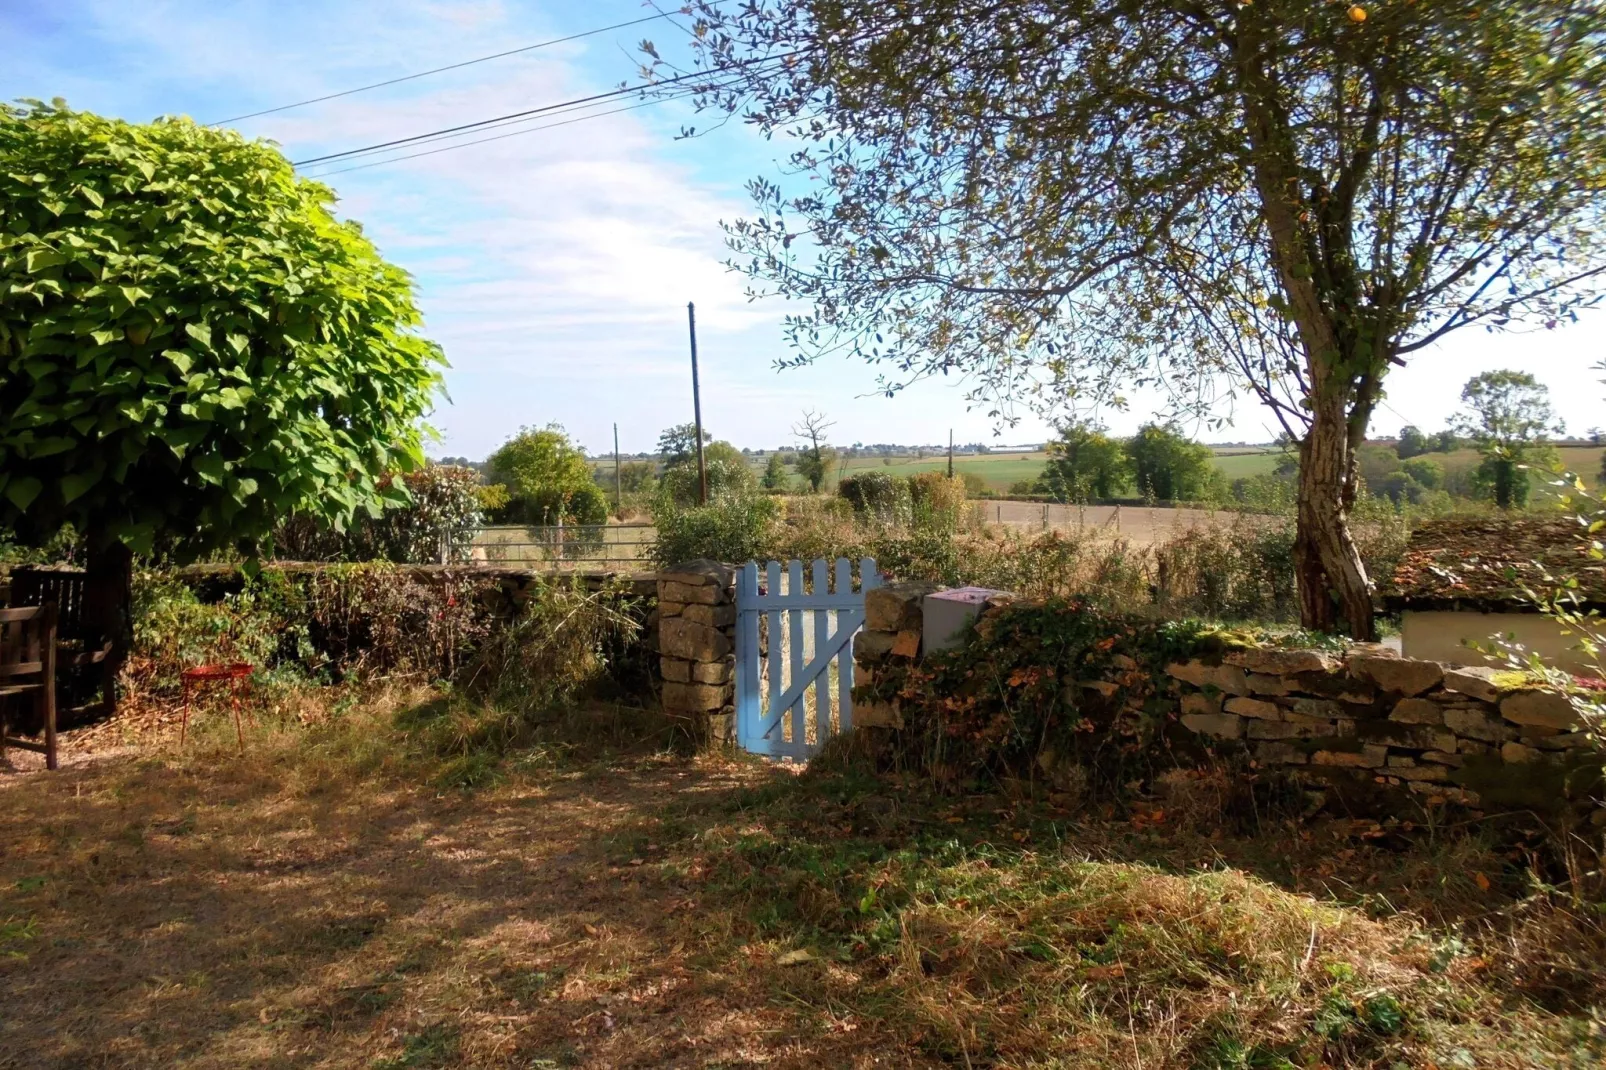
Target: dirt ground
<point>318,903</point>
<point>167,918</point>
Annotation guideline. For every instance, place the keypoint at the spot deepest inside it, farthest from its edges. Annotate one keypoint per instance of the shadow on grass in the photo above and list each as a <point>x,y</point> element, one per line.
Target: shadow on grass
<point>589,894</point>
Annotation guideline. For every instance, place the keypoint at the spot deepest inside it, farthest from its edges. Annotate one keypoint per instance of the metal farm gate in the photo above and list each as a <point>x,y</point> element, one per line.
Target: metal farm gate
<point>788,701</point>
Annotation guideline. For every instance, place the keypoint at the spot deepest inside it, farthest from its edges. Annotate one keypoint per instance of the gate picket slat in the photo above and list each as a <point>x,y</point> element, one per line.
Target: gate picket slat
<point>747,654</point>
<point>794,645</point>
<point>822,635</point>
<point>845,620</point>
<point>777,640</point>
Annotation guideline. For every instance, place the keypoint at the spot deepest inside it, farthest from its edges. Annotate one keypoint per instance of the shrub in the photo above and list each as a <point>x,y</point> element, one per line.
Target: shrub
<point>334,623</point>
<point>878,496</point>
<point>733,528</point>
<point>937,502</point>
<point>439,520</point>
<point>728,474</point>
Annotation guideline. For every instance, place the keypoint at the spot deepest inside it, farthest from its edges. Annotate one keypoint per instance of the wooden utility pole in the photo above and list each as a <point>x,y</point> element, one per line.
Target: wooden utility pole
<point>697,407</point>
<point>618,480</point>
<point>950,453</point>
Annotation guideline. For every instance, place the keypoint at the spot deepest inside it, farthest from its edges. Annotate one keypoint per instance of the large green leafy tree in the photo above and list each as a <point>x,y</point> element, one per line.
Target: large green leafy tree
<point>192,347</point>
<point>1084,463</point>
<point>1054,198</point>
<point>548,479</point>
<point>1507,414</point>
<point>1167,466</point>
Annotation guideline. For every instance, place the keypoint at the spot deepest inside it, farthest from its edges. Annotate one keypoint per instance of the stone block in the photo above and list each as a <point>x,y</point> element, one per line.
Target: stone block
<point>1254,707</point>
<point>871,646</point>
<point>1368,757</point>
<point>1414,736</point>
<point>877,715</point>
<point>1475,724</point>
<point>907,644</point>
<point>1439,757</point>
<point>1335,686</point>
<point>712,616</point>
<point>681,638</point>
<point>1293,726</point>
<point>699,573</point>
<point>1263,684</point>
<point>1518,754</point>
<point>1321,708</point>
<point>1444,791</point>
<point>1274,753</point>
<point>695,696</point>
<point>1199,702</point>
<point>675,670</point>
<point>1476,681</point>
<point>1417,711</point>
<point>1426,773</point>
<point>670,609</point>
<point>895,607</point>
<point>1280,662</point>
<point>1397,675</point>
<point>1228,678</point>
<point>1566,741</point>
<point>1543,709</point>
<point>722,727</point>
<point>669,591</point>
<point>718,672</point>
<point>1216,725</point>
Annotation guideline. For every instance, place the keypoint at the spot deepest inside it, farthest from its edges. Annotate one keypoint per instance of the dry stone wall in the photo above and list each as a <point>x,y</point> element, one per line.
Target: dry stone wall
<point>1368,717</point>
<point>696,647</point>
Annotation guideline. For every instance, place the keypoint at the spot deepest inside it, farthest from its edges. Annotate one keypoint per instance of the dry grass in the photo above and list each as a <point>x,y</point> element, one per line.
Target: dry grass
<point>324,902</point>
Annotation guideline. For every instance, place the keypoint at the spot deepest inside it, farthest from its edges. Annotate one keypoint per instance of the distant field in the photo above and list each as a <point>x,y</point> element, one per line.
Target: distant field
<point>999,471</point>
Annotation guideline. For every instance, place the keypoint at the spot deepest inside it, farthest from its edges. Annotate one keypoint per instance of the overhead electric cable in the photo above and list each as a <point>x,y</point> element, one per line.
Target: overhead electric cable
<point>448,67</point>
<point>483,140</point>
<point>542,110</point>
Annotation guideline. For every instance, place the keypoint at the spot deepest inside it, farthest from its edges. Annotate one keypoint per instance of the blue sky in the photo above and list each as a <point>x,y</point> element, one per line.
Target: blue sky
<point>555,266</point>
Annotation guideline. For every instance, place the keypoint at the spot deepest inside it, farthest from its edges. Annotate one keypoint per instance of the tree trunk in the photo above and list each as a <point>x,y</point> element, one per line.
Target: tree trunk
<point>109,606</point>
<point>1333,587</point>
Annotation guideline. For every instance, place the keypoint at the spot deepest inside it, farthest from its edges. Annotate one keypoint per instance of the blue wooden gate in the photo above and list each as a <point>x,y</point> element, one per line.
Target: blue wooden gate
<point>773,703</point>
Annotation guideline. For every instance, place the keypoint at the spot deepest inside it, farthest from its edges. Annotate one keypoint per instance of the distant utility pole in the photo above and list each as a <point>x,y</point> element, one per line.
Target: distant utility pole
<point>950,453</point>
<point>618,480</point>
<point>697,407</point>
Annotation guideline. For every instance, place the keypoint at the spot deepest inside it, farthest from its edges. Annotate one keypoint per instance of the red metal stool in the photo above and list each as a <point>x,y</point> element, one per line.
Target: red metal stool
<point>235,675</point>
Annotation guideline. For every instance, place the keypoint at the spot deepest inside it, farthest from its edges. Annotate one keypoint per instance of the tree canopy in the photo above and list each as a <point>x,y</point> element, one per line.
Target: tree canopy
<point>1056,199</point>
<point>1084,463</point>
<point>548,479</point>
<point>1506,414</point>
<point>1167,466</point>
<point>193,347</point>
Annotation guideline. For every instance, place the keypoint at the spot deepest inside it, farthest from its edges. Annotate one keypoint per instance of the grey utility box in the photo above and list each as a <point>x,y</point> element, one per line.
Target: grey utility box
<point>946,614</point>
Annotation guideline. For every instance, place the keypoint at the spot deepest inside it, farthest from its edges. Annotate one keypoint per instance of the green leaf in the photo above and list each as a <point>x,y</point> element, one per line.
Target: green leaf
<point>106,337</point>
<point>75,486</point>
<point>179,359</point>
<point>201,333</point>
<point>41,259</point>
<point>23,490</point>
<point>209,466</point>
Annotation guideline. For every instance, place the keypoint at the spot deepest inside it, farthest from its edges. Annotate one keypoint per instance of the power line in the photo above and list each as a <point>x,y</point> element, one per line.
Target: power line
<point>427,139</point>
<point>448,67</point>
<point>532,112</point>
<point>483,140</point>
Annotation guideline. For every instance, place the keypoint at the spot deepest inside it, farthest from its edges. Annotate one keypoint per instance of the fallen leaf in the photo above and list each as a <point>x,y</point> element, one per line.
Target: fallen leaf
<point>1106,973</point>
<point>1482,881</point>
<point>794,958</point>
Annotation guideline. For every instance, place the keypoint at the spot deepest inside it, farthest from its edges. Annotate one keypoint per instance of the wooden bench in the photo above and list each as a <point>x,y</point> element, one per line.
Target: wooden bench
<point>28,667</point>
<point>84,653</point>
